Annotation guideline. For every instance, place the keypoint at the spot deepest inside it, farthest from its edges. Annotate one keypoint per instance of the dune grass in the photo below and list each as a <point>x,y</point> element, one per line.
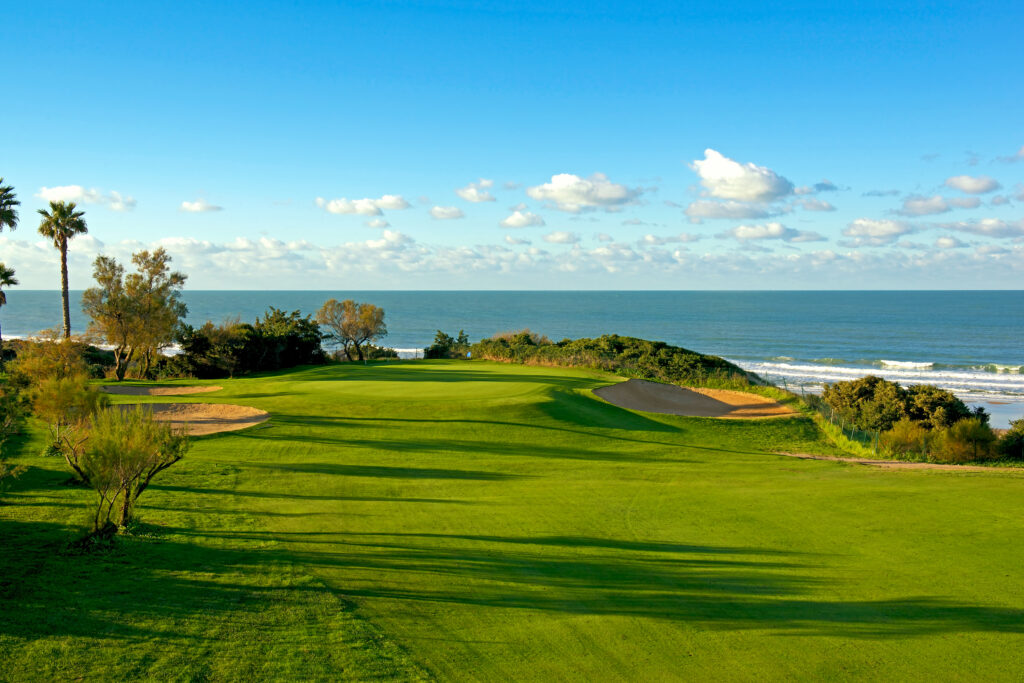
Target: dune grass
<point>478,521</point>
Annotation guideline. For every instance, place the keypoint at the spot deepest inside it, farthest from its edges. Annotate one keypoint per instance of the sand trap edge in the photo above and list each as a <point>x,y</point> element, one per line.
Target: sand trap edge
<point>158,391</point>
<point>202,419</point>
<point>669,399</point>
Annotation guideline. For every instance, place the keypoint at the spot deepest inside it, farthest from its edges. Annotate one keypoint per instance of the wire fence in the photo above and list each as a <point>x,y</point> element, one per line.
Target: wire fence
<point>867,438</point>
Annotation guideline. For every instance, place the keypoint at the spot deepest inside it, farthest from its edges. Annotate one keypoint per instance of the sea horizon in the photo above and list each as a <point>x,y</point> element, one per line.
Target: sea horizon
<point>966,341</point>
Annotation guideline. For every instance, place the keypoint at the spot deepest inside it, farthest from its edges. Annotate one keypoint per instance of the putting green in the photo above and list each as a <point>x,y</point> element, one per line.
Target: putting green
<point>477,521</point>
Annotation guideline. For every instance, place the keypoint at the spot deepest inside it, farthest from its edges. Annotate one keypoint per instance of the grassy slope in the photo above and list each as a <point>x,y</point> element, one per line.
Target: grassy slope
<point>479,521</point>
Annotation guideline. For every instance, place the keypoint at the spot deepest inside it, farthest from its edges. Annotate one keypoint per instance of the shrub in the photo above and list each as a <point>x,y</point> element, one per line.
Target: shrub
<point>967,440</point>
<point>445,346</point>
<point>278,340</point>
<point>117,454</point>
<point>906,437</point>
<point>1011,443</point>
<point>876,404</point>
<point>12,410</point>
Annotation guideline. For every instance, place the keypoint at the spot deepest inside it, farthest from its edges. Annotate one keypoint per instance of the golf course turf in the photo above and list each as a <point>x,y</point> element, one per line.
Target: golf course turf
<point>482,521</point>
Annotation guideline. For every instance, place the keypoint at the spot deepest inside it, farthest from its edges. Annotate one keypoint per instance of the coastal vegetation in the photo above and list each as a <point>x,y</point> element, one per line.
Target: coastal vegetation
<point>275,341</point>
<point>446,346</point>
<point>626,356</point>
<point>920,422</point>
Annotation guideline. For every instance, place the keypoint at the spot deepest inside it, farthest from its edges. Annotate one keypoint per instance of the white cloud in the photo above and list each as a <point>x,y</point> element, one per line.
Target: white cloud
<point>398,259</point>
<point>733,210</point>
<point>973,184</point>
<point>515,241</point>
<point>477,192</point>
<point>659,240</point>
<point>114,201</point>
<point>561,237</point>
<point>446,213</point>
<point>916,205</point>
<point>771,231</point>
<point>999,200</point>
<point>568,192</point>
<point>391,239</point>
<point>946,242</point>
<point>521,219</point>
<point>363,207</point>
<point>989,227</point>
<point>199,206</point>
<point>815,205</point>
<point>727,179</point>
<point>874,233</point>
<point>377,223</point>
<point>604,237</point>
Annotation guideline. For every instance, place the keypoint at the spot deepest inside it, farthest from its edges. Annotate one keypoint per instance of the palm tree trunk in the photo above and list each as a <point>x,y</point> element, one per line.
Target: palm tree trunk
<point>64,286</point>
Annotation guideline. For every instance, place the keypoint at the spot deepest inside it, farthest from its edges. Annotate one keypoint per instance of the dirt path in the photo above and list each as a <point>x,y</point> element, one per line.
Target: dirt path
<point>900,465</point>
<point>158,391</point>
<point>669,399</point>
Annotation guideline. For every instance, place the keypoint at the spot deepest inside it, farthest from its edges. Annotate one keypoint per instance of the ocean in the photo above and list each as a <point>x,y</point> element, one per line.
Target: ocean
<point>967,341</point>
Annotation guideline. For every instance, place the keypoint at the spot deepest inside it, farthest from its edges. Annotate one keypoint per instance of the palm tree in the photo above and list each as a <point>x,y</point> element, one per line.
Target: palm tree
<point>60,224</point>
<point>7,279</point>
<point>8,207</point>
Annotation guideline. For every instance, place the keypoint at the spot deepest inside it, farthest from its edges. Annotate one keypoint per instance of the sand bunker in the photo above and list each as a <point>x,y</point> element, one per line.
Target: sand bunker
<point>158,391</point>
<point>651,397</point>
<point>204,418</point>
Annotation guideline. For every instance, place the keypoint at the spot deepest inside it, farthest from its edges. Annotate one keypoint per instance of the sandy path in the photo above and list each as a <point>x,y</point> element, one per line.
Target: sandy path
<point>652,397</point>
<point>900,465</point>
<point>158,391</point>
<point>204,418</point>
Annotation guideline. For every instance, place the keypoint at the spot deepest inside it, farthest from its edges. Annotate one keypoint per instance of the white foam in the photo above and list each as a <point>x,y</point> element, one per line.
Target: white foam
<point>973,385</point>
<point>906,365</point>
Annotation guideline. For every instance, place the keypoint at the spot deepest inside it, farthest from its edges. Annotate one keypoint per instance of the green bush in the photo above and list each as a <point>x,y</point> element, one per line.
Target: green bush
<point>1011,443</point>
<point>906,437</point>
<point>278,340</point>
<point>876,404</point>
<point>967,440</point>
<point>445,346</point>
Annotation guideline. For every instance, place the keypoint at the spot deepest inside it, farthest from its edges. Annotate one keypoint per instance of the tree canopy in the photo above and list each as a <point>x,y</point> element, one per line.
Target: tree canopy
<point>136,313</point>
<point>351,324</point>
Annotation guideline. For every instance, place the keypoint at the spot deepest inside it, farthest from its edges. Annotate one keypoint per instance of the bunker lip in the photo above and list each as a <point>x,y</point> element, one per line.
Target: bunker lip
<point>200,419</point>
<point>669,399</point>
<point>158,391</point>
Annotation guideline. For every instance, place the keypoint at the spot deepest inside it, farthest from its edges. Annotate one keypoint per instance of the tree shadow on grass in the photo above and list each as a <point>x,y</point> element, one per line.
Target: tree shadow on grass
<point>192,587</point>
<point>387,472</point>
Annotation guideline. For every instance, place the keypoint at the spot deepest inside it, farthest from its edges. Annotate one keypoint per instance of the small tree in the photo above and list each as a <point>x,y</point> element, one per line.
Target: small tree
<point>136,313</point>
<point>352,324</point>
<point>118,453</point>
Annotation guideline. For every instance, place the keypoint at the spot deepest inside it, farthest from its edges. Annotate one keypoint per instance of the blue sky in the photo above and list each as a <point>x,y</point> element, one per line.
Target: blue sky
<point>321,145</point>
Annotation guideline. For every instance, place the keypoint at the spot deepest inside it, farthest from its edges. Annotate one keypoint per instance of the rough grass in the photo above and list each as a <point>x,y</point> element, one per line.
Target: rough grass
<point>479,521</point>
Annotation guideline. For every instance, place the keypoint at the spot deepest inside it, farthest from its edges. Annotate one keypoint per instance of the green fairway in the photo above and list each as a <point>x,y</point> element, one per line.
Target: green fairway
<point>476,521</point>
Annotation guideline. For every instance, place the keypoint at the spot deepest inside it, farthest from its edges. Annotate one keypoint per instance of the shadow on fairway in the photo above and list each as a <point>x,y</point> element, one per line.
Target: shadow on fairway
<point>172,584</point>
